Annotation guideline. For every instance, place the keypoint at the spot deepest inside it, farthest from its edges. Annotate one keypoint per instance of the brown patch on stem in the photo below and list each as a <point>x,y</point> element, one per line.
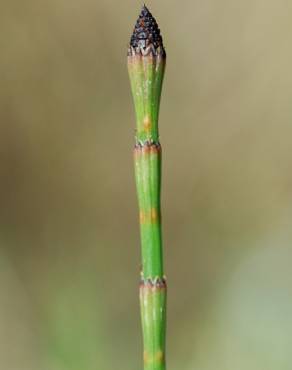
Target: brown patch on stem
<point>154,215</point>
<point>151,216</point>
<point>159,356</point>
<point>142,217</point>
<point>147,124</point>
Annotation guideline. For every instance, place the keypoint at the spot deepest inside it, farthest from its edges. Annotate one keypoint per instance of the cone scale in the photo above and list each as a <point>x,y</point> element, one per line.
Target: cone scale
<point>146,64</point>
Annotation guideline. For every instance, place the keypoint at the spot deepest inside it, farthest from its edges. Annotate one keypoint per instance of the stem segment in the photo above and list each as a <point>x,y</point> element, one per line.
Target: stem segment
<point>147,158</point>
<point>146,64</point>
<point>153,313</point>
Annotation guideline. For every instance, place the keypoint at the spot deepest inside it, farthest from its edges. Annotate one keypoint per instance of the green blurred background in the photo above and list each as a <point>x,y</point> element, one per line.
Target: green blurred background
<point>69,237</point>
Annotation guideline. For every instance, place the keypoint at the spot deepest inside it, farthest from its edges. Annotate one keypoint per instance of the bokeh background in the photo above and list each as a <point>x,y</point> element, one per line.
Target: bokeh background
<point>69,241</point>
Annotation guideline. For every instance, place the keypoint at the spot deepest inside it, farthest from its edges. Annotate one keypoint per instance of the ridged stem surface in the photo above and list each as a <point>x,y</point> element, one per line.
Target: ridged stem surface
<point>146,64</point>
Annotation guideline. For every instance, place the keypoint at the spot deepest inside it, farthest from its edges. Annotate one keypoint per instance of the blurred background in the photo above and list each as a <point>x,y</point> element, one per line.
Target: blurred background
<point>69,236</point>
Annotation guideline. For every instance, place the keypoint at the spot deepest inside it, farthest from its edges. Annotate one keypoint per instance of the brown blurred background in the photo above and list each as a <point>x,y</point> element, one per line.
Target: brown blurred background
<point>69,241</point>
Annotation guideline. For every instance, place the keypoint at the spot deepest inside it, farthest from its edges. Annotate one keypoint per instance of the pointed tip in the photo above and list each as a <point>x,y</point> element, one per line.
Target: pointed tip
<point>146,32</point>
<point>144,8</point>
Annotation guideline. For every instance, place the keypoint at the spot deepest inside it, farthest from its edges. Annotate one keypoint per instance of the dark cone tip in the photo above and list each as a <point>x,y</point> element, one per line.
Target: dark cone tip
<point>146,32</point>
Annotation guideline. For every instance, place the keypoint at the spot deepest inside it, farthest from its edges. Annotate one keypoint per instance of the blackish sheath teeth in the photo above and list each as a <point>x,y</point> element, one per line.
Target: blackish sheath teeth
<point>146,38</point>
<point>147,143</point>
<point>154,283</point>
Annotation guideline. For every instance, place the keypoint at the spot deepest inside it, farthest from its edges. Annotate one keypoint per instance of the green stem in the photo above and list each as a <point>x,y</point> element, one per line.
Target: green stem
<point>147,158</point>
<point>153,313</point>
<point>146,64</point>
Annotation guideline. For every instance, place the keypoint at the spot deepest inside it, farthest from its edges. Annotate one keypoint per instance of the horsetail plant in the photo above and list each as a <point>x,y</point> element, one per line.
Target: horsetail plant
<point>146,64</point>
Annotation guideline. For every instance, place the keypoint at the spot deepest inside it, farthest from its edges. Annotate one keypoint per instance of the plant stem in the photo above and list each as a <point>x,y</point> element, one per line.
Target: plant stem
<point>146,64</point>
